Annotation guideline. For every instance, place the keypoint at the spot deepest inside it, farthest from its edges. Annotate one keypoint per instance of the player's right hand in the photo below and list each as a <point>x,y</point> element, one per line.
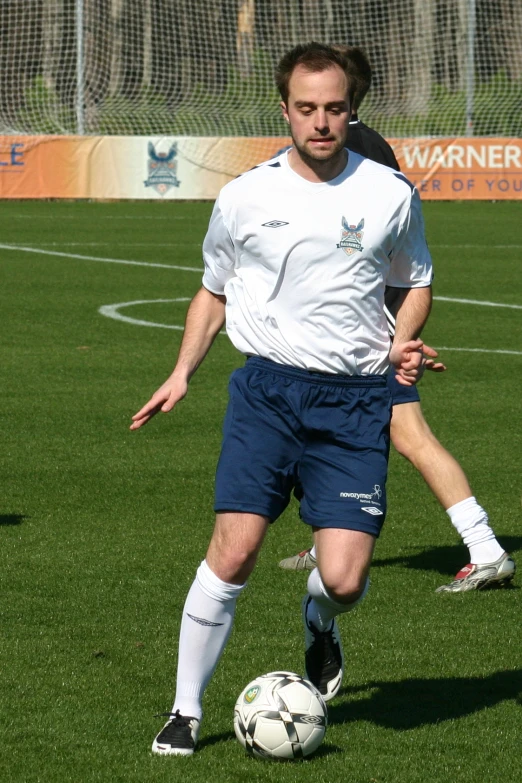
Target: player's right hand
<point>166,397</point>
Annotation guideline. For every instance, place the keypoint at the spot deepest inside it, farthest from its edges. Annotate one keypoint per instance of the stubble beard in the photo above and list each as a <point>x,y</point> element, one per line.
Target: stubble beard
<point>316,160</point>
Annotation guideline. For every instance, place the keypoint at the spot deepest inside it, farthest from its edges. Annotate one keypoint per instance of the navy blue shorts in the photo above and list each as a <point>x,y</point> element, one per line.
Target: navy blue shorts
<point>400,393</point>
<point>324,437</point>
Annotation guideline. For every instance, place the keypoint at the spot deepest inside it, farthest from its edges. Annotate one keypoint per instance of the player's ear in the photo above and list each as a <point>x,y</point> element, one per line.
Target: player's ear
<point>284,111</point>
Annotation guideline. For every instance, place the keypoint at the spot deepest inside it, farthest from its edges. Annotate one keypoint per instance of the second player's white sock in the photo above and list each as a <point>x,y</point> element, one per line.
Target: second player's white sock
<point>472,524</point>
<point>322,609</point>
<point>205,627</point>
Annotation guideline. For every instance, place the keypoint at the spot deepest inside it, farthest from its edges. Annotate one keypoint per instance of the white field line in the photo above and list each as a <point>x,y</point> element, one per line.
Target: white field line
<point>111,311</point>
<point>479,350</point>
<point>80,257</point>
<point>198,244</point>
<point>56,253</point>
<point>47,217</point>
<point>477,302</point>
<point>110,244</point>
<point>465,246</point>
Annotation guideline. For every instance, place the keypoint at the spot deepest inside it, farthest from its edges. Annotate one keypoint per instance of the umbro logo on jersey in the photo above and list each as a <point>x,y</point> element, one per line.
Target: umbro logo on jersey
<point>375,512</point>
<point>275,224</point>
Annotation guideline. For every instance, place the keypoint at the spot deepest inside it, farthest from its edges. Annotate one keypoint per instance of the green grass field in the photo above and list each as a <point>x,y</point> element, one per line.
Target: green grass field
<point>102,529</point>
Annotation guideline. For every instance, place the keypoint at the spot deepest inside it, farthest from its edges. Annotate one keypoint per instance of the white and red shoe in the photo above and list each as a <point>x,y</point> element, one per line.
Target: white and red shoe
<point>477,577</point>
<point>304,561</point>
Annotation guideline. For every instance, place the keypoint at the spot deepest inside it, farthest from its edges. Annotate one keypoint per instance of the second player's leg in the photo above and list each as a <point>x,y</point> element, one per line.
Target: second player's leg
<point>414,440</point>
<point>489,564</point>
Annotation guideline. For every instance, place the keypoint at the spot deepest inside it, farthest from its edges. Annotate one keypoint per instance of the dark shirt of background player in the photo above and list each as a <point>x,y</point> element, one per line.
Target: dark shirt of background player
<point>362,139</point>
<point>366,141</point>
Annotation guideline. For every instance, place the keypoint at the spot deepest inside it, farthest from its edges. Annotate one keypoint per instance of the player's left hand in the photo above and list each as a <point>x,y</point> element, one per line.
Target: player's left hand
<point>409,360</point>
<point>430,364</point>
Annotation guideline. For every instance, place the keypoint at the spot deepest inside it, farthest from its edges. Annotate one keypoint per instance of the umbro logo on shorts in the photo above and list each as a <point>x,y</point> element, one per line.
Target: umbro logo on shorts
<point>375,512</point>
<point>275,224</point>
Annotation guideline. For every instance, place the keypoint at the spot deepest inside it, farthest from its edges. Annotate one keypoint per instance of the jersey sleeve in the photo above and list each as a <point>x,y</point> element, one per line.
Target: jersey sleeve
<point>218,253</point>
<point>411,265</point>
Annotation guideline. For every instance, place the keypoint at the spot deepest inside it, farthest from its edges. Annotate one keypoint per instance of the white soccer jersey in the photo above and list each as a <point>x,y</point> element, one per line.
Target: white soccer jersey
<point>304,265</point>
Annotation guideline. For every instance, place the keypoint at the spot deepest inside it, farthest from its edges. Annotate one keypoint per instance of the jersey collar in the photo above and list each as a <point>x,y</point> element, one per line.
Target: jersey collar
<point>316,187</point>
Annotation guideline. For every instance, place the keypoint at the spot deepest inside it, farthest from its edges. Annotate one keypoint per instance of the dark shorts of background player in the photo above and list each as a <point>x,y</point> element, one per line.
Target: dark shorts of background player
<point>399,393</point>
<point>325,437</point>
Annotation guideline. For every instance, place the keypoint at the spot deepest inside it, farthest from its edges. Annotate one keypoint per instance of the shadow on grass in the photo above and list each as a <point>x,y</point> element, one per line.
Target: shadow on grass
<point>326,749</point>
<point>443,559</point>
<point>12,519</point>
<point>408,704</point>
<point>214,739</point>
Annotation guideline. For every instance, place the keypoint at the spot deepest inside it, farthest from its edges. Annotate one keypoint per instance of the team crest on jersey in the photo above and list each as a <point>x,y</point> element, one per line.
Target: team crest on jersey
<point>162,169</point>
<point>351,236</point>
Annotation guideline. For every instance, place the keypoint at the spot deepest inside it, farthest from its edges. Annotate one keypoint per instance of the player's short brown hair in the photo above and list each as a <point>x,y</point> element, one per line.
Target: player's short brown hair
<point>315,57</point>
<point>359,71</point>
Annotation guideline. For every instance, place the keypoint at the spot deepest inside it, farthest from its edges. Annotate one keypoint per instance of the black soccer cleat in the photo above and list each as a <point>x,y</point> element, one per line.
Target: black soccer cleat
<point>178,736</point>
<point>323,655</point>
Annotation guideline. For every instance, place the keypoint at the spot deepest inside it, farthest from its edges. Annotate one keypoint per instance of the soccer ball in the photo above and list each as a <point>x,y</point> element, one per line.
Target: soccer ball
<point>280,716</point>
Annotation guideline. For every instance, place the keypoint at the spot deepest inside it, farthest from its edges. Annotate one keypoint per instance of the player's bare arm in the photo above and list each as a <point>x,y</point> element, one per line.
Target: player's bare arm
<point>205,317</point>
<point>393,299</point>
<point>408,351</point>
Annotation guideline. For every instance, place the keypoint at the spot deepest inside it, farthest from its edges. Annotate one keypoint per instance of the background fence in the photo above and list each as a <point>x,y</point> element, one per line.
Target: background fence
<point>205,67</point>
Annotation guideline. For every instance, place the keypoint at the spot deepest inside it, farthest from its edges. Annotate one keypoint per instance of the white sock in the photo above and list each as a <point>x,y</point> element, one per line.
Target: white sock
<point>205,627</point>
<point>313,552</point>
<point>472,524</point>
<point>322,609</point>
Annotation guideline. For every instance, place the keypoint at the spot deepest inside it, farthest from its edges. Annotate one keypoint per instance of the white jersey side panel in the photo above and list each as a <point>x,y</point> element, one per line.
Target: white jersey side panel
<point>304,266</point>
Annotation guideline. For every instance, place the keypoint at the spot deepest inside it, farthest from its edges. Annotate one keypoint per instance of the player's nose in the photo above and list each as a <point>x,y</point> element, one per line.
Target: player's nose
<point>321,121</point>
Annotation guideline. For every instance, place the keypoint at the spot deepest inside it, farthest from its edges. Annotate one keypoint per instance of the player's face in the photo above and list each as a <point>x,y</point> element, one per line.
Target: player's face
<point>318,112</point>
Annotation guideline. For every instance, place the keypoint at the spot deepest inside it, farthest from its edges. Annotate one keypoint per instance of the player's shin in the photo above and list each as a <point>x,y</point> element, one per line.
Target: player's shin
<point>206,624</point>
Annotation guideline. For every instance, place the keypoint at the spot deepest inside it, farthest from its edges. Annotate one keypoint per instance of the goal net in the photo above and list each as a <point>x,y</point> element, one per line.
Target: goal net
<point>193,68</point>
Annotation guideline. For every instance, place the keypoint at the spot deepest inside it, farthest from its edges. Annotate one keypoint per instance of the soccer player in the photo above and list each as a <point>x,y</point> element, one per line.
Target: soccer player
<point>361,138</point>
<point>297,256</point>
<point>410,434</point>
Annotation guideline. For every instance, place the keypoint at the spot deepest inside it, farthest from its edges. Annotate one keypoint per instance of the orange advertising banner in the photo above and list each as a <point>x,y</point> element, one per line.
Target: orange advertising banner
<point>164,168</point>
<point>463,168</point>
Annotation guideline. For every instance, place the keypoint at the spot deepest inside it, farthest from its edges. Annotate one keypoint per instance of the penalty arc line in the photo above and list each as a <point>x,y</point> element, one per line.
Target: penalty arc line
<point>105,310</point>
<point>112,311</point>
<point>77,256</point>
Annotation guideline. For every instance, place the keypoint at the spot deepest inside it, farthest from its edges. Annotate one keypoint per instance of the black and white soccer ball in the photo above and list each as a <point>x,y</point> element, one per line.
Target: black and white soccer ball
<point>280,715</point>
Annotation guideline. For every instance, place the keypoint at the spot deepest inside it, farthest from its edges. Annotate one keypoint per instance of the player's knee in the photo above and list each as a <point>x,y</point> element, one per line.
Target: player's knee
<point>345,588</point>
<point>233,567</point>
<point>405,447</point>
<point>409,436</point>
